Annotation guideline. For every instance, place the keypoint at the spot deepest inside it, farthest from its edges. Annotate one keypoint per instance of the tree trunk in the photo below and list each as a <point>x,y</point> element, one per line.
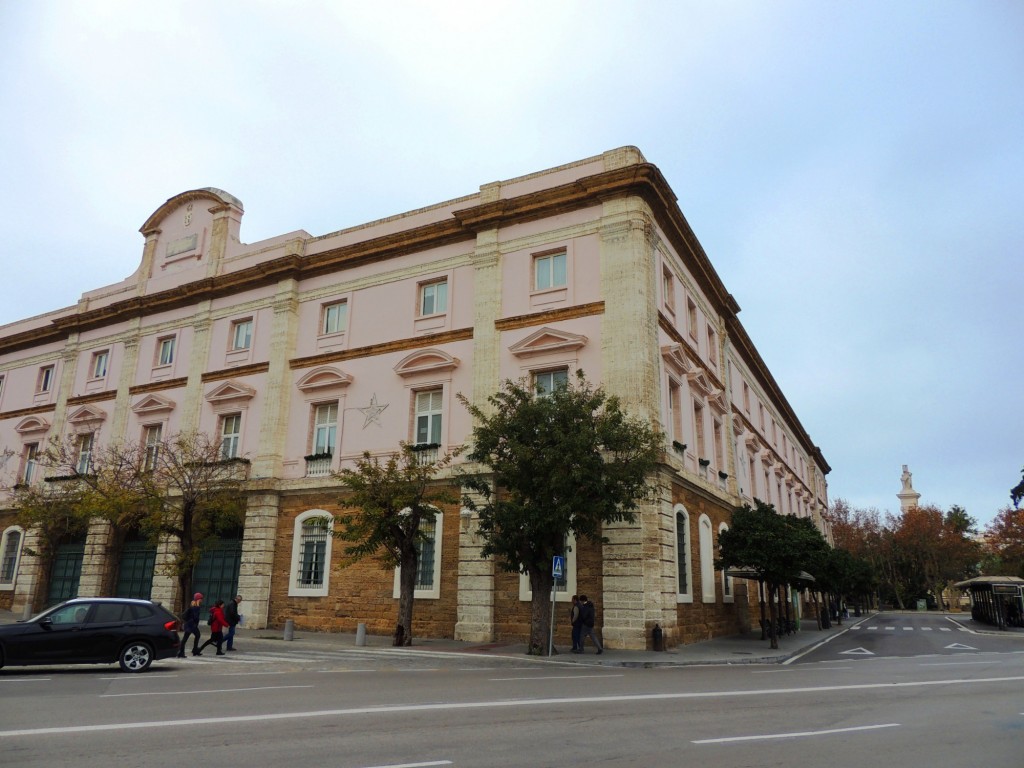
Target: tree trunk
<point>773,615</point>
<point>764,622</point>
<point>540,611</point>
<point>407,590</point>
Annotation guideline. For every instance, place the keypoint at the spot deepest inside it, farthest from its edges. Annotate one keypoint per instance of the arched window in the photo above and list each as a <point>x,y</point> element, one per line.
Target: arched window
<point>707,560</point>
<point>727,594</point>
<point>311,554</point>
<point>10,553</point>
<point>684,580</point>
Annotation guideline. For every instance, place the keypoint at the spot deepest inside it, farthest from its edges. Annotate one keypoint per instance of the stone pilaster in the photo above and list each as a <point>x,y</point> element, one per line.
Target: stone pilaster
<point>95,561</point>
<point>634,581</point>
<point>165,582</point>
<point>198,357</point>
<point>125,379</point>
<point>475,612</point>
<point>30,575</point>
<point>258,557</point>
<point>278,383</point>
<point>486,312</point>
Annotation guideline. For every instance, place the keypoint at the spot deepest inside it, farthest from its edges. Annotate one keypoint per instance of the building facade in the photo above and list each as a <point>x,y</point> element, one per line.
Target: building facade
<point>300,352</point>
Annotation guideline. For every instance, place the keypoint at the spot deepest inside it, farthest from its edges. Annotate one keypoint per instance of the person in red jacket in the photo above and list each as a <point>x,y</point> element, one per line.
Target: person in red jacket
<point>217,625</point>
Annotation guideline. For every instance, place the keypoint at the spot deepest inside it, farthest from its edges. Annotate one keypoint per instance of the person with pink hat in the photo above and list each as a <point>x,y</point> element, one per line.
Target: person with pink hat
<point>190,625</point>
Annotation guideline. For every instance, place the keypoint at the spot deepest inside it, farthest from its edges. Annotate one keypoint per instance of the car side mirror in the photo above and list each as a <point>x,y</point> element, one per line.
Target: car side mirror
<point>46,623</point>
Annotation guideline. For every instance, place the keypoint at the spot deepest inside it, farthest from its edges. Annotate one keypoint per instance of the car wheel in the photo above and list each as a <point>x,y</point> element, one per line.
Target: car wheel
<point>136,657</point>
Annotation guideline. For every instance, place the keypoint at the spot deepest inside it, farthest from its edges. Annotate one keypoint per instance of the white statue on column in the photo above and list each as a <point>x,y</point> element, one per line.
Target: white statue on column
<point>908,496</point>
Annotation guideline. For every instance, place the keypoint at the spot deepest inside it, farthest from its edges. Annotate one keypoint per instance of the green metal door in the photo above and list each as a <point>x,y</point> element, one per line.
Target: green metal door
<point>216,573</point>
<point>65,573</point>
<point>135,571</point>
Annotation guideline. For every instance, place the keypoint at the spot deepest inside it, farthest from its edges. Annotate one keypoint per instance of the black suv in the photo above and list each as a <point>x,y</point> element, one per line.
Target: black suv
<point>93,630</point>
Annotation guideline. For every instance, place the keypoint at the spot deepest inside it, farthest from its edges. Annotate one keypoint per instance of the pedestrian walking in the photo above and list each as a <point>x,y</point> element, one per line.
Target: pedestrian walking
<point>574,620</point>
<point>234,618</point>
<point>217,625</point>
<point>190,625</point>
<point>588,617</point>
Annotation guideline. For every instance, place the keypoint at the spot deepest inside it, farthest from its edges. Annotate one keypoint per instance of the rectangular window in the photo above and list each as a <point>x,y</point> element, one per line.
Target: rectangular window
<point>428,417</point>
<point>712,346</point>
<point>334,318</point>
<point>691,318</point>
<point>434,298</point>
<point>99,364</point>
<point>549,271</point>
<point>717,434</point>
<point>698,430</point>
<point>165,351</point>
<point>230,432</point>
<point>84,463</point>
<point>675,411</point>
<point>241,334</point>
<point>746,398</point>
<point>1,387</point>
<point>45,382</point>
<point>325,428</point>
<point>546,382</point>
<point>29,458</point>
<point>753,478</point>
<point>312,554</point>
<point>9,558</point>
<point>668,290</point>
<point>426,547</point>
<point>151,437</point>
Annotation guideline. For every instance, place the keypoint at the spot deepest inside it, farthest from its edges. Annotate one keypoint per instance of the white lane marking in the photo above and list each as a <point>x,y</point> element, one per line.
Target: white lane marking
<point>802,669</point>
<point>857,652</point>
<point>813,648</point>
<point>497,704</point>
<point>927,629</point>
<point>24,679</point>
<point>344,671</point>
<point>186,693</point>
<point>960,647</point>
<point>945,629</point>
<point>908,629</point>
<point>127,678</point>
<point>798,734</point>
<point>248,674</point>
<point>890,627</point>
<point>416,765</point>
<point>550,677</point>
<point>950,663</point>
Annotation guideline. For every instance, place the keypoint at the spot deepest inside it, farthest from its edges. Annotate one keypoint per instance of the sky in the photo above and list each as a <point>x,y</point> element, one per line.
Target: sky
<point>855,171</point>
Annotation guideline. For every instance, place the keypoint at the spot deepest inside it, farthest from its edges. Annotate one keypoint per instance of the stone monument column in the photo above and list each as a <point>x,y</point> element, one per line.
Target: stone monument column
<point>908,496</point>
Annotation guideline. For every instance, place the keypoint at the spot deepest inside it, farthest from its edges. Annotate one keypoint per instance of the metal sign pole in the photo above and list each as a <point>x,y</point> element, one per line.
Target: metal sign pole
<point>557,569</point>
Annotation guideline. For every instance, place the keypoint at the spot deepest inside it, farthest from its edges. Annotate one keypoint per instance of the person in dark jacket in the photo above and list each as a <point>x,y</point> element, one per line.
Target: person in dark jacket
<point>234,618</point>
<point>588,618</point>
<point>190,625</point>
<point>577,627</point>
<point>217,625</point>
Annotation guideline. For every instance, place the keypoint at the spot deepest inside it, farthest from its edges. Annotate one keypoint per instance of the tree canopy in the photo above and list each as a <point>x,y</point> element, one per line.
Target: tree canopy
<point>557,463</point>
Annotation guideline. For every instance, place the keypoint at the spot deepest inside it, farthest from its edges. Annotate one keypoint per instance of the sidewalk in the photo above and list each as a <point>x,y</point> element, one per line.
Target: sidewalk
<point>734,649</point>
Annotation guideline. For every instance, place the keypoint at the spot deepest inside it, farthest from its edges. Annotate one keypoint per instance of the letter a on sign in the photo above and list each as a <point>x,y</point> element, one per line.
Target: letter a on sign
<point>558,566</point>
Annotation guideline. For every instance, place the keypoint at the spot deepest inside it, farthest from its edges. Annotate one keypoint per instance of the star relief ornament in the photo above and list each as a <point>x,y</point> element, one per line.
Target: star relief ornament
<point>372,412</point>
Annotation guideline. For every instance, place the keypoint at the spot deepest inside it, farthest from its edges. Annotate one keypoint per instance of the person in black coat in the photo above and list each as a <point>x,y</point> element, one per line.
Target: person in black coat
<point>190,625</point>
<point>234,618</point>
<point>588,615</point>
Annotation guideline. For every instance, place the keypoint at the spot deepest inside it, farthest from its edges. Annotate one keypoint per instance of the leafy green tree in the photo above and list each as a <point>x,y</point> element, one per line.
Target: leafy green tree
<point>1017,492</point>
<point>560,463</point>
<point>1004,543</point>
<point>387,504</point>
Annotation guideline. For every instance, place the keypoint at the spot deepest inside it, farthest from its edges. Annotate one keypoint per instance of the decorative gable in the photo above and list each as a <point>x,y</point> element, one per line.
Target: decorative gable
<point>547,340</point>
<point>717,401</point>
<point>675,358</point>
<point>86,415</point>
<point>153,404</point>
<point>31,424</point>
<point>700,381</point>
<point>230,391</point>
<point>325,377</point>
<point>426,360</point>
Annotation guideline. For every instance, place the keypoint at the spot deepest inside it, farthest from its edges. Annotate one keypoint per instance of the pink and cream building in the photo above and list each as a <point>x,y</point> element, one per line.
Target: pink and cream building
<point>300,352</point>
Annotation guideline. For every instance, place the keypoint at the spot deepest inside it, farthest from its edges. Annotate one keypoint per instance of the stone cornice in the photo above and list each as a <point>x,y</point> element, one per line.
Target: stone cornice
<point>94,397</point>
<point>550,316</point>
<point>230,373</point>
<point>399,345</point>
<point>27,411</point>
<point>157,386</point>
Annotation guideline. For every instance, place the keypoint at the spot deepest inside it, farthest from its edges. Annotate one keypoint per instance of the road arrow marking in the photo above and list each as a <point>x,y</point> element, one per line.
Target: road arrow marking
<point>960,647</point>
<point>857,652</point>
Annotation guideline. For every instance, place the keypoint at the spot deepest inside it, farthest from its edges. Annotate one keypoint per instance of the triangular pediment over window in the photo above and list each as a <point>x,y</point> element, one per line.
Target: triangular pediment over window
<point>153,404</point>
<point>717,401</point>
<point>426,360</point>
<point>325,377</point>
<point>547,340</point>
<point>700,381</point>
<point>87,414</point>
<point>675,358</point>
<point>31,424</point>
<point>230,391</point>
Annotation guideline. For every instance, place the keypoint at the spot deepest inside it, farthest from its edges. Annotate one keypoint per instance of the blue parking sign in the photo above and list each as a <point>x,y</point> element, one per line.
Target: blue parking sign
<point>558,566</point>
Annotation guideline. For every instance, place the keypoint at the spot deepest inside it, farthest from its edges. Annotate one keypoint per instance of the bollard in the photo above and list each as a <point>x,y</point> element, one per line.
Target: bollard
<point>658,638</point>
<point>289,629</point>
<point>361,634</point>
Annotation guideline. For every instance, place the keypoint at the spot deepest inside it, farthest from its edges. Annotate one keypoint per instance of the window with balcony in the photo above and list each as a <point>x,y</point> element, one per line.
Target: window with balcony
<point>324,437</point>
<point>427,429</point>
<point>333,318</point>
<point>241,335</point>
<point>152,434</point>
<point>29,462</point>
<point>546,382</point>
<point>84,448</point>
<point>675,411</point>
<point>230,435</point>
<point>698,431</point>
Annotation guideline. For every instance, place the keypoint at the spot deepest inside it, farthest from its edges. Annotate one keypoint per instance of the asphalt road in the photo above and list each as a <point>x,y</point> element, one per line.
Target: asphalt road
<point>911,701</point>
